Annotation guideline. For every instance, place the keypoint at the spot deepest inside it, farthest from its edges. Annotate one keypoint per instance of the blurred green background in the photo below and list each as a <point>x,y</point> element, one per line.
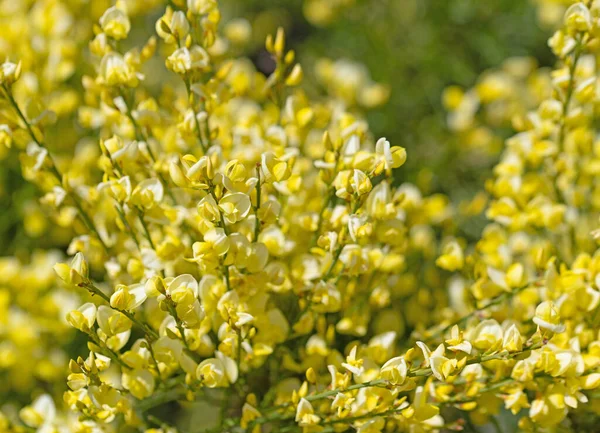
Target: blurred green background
<point>413,49</point>
<point>417,48</point>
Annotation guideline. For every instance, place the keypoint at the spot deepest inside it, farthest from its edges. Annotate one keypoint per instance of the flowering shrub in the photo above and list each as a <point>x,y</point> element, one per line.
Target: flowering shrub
<point>415,49</point>
<point>238,243</point>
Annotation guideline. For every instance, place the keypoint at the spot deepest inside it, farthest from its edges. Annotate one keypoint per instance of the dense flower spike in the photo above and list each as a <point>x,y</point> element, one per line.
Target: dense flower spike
<point>240,243</point>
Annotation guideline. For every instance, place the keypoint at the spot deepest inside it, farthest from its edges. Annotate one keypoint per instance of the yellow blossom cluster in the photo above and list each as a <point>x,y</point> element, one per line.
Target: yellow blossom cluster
<point>239,242</point>
<point>351,83</point>
<point>500,100</point>
<point>33,332</point>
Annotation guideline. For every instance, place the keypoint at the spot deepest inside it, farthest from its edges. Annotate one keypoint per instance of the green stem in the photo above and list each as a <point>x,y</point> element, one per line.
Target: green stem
<point>161,398</point>
<point>96,291</point>
<point>257,207</point>
<point>178,323</point>
<point>239,351</point>
<point>333,392</point>
<point>226,274</point>
<point>493,302</point>
<point>421,372</point>
<point>188,88</point>
<point>140,137</point>
<point>489,388</point>
<point>127,225</point>
<point>107,351</point>
<point>155,362</point>
<point>340,247</point>
<point>140,214</point>
<point>53,168</point>
<point>480,359</point>
<point>14,104</point>
<point>211,190</point>
<point>325,206</point>
<point>225,268</point>
<point>570,89</point>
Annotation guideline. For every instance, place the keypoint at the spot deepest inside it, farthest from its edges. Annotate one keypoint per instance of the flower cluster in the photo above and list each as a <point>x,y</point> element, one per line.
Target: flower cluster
<point>32,329</point>
<point>242,243</point>
<point>350,81</point>
<point>500,100</point>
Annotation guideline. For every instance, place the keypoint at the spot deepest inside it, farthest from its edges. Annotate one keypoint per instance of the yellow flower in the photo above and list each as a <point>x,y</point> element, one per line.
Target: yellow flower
<point>441,366</point>
<point>488,335</point>
<point>349,182</point>
<point>452,259</point>
<point>295,76</point>
<point>216,243</point>
<point>147,193</point>
<point>457,341</point>
<point>516,400</point>
<point>9,72</point>
<point>274,169</point>
<point>217,372</point>
<point>394,371</point>
<point>374,425</point>
<point>41,412</point>
<point>235,207</point>
<point>115,23</point>
<point>392,157</point>
<point>549,409</point>
<point>512,340</point>
<point>305,414</point>
<point>139,382</point>
<point>115,71</point>
<point>184,60</point>
<point>128,297</point>
<point>239,230</point>
<point>183,289</point>
<point>201,7</point>
<point>578,17</point>
<point>249,414</point>
<point>75,273</point>
<point>548,318</point>
<point>326,298</point>
<point>179,25</point>
<point>83,318</point>
<point>341,402</point>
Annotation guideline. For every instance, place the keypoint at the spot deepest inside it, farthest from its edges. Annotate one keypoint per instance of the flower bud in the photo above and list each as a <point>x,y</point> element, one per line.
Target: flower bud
<point>75,273</point>
<point>311,376</point>
<point>83,318</point>
<point>179,25</point>
<point>295,76</point>
<point>9,73</point>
